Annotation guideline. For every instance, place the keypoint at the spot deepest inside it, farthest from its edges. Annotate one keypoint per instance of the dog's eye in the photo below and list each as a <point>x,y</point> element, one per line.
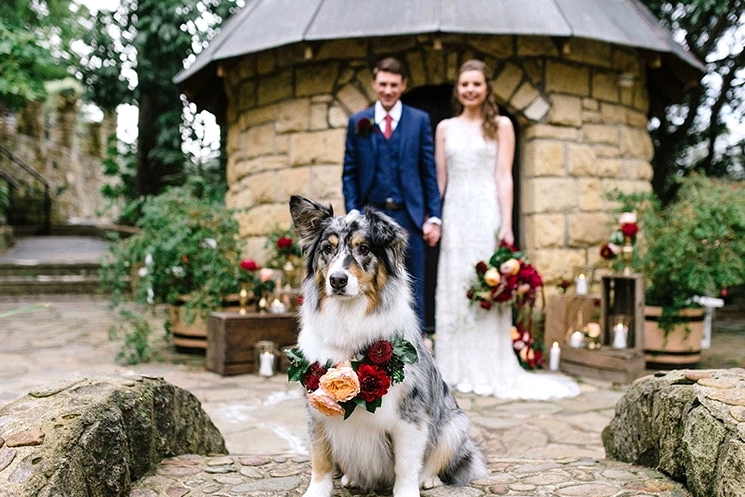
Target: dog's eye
<point>327,248</point>
<point>364,249</point>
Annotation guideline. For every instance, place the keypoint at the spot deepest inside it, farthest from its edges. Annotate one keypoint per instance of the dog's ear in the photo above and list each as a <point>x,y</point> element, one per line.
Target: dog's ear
<point>387,234</point>
<point>307,216</point>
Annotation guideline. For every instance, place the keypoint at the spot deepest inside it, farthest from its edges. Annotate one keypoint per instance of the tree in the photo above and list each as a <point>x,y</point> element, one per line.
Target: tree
<point>134,53</point>
<point>697,134</point>
<point>35,40</point>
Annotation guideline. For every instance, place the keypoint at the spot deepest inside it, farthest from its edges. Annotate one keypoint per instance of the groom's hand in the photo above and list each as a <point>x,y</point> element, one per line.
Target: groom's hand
<point>431,233</point>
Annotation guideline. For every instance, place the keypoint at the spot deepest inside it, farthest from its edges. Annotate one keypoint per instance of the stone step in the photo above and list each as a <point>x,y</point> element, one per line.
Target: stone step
<point>49,278</point>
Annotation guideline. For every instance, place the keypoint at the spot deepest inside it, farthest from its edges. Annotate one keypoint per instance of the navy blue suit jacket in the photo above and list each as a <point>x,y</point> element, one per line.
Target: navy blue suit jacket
<point>418,176</point>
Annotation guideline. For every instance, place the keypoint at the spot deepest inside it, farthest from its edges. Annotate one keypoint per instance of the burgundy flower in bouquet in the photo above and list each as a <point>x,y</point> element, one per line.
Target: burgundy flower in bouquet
<point>625,233</point>
<point>509,278</point>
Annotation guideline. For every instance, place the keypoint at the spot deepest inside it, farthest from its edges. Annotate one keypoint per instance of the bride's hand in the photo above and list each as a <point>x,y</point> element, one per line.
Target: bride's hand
<point>506,236</point>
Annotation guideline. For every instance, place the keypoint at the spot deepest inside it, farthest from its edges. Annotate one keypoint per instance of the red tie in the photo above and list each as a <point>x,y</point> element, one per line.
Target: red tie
<point>388,128</point>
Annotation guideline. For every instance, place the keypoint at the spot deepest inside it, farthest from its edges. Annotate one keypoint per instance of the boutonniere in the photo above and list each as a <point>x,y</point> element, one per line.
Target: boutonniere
<point>335,390</point>
<point>365,127</point>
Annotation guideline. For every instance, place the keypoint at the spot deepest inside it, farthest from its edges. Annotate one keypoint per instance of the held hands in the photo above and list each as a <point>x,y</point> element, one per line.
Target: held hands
<point>431,233</point>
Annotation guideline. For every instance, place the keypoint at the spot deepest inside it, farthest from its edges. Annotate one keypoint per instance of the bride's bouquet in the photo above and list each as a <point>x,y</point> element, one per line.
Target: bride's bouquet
<point>509,278</point>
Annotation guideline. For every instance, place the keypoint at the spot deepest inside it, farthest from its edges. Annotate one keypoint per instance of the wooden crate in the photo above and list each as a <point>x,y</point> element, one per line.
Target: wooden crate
<point>623,294</point>
<point>614,365</point>
<point>231,338</point>
<point>561,314</point>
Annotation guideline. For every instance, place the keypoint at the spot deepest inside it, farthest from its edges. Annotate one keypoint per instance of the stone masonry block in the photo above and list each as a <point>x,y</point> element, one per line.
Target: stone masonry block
<point>507,81</point>
<point>586,228</point>
<point>352,98</point>
<point>605,86</point>
<point>293,116</point>
<point>319,147</point>
<point>581,160</point>
<point>613,113</point>
<point>295,181</point>
<point>636,142</point>
<point>544,158</point>
<point>542,195</point>
<point>524,96</point>
<point>259,140</point>
<point>316,79</point>
<point>540,130</point>
<point>545,230</point>
<point>275,87</point>
<point>590,194</point>
<point>601,133</point>
<point>261,219</point>
<point>565,110</point>
<point>566,78</point>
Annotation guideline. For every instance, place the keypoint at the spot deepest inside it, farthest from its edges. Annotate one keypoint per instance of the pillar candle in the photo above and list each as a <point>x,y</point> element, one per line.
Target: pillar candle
<point>553,358</point>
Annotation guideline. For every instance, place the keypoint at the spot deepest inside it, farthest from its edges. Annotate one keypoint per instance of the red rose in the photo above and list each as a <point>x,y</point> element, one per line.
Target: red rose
<point>504,296</point>
<point>249,265</point>
<point>481,267</point>
<point>380,352</point>
<point>485,304</point>
<point>629,229</point>
<point>313,375</point>
<point>365,127</point>
<point>374,382</point>
<point>284,242</point>
<point>606,252</point>
<point>469,294</point>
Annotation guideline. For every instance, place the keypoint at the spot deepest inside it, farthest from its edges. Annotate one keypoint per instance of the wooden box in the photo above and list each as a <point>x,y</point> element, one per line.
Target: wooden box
<point>562,312</point>
<point>623,294</point>
<point>231,338</point>
<point>608,364</point>
<point>620,294</point>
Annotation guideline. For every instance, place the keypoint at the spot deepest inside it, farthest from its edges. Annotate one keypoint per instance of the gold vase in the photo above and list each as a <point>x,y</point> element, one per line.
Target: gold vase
<point>243,298</point>
<point>627,253</point>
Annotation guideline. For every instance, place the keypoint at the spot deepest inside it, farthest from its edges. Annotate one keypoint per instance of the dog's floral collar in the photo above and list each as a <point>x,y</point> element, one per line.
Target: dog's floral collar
<point>336,390</point>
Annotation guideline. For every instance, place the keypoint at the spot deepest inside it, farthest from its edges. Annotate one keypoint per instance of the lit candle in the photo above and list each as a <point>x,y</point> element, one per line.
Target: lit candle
<point>575,340</point>
<point>620,336</point>
<point>266,368</point>
<point>580,285</point>
<point>553,358</point>
<point>277,307</point>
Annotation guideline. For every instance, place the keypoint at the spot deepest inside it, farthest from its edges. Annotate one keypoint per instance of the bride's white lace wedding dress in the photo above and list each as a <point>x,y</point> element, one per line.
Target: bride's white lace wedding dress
<point>473,347</point>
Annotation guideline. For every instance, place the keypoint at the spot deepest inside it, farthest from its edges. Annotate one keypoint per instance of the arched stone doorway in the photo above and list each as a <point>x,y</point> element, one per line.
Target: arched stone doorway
<point>436,100</point>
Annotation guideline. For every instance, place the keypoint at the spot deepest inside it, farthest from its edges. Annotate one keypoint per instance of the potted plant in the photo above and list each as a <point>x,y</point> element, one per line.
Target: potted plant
<point>692,247</point>
<point>186,254</point>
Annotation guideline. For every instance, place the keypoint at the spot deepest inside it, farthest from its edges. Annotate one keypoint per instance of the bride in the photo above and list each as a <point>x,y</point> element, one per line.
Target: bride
<point>474,153</point>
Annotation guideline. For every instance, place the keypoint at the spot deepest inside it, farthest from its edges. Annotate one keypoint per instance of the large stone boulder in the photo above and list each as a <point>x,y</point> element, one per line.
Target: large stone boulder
<point>94,437</point>
<point>688,424</point>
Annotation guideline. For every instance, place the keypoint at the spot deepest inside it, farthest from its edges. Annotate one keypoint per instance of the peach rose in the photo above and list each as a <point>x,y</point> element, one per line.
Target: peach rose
<point>523,289</point>
<point>341,383</point>
<point>514,334</point>
<point>324,403</point>
<point>492,277</point>
<point>510,267</point>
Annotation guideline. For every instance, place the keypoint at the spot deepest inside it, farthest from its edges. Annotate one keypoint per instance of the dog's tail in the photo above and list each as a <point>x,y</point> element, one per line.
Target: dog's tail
<point>468,464</point>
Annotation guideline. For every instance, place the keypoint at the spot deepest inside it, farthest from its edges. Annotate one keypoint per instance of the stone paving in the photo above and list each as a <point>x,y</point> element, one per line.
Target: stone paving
<point>545,449</point>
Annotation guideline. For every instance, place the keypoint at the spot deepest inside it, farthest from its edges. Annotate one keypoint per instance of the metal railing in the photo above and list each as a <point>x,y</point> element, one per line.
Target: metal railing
<point>15,185</point>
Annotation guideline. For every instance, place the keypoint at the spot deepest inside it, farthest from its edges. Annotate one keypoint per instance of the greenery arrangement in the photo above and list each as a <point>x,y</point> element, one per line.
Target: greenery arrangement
<point>694,246</point>
<point>186,252</point>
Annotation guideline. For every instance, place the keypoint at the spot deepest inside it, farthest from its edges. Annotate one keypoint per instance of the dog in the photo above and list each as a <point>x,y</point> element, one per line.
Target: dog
<point>355,294</point>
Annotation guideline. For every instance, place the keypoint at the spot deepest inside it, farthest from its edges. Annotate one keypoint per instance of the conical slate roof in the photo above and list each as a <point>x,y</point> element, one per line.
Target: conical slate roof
<point>266,24</point>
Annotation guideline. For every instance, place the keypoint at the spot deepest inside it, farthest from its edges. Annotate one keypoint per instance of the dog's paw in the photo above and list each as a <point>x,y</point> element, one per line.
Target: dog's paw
<point>320,488</point>
<point>405,490</point>
<point>347,482</point>
<point>431,482</point>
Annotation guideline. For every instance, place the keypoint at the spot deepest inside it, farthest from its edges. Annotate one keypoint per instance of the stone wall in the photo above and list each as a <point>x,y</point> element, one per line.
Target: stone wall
<point>66,150</point>
<point>580,132</point>
<point>94,437</point>
<point>687,424</point>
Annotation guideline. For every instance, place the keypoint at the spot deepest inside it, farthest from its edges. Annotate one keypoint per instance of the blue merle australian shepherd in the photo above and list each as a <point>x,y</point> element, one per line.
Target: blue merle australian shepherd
<point>356,294</point>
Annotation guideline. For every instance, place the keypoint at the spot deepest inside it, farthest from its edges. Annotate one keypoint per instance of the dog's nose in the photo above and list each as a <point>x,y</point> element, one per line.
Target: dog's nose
<point>338,281</point>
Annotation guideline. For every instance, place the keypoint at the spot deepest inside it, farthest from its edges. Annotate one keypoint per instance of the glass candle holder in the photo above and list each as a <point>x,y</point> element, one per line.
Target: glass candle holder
<point>620,330</point>
<point>583,279</point>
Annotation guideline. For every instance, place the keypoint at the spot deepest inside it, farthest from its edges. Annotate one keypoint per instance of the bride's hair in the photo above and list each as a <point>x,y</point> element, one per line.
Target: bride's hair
<point>489,109</point>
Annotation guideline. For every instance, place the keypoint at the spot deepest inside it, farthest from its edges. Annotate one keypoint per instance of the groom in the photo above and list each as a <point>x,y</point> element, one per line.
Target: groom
<point>389,165</point>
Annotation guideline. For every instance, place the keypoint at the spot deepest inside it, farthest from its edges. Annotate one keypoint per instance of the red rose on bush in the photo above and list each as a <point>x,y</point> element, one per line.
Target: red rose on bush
<point>249,265</point>
<point>284,242</point>
<point>313,376</point>
<point>629,229</point>
<point>380,352</point>
<point>374,382</point>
